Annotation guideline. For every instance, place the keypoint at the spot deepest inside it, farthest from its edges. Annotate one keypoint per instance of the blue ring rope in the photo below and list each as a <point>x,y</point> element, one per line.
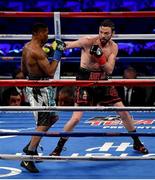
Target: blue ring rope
<point>76,134</point>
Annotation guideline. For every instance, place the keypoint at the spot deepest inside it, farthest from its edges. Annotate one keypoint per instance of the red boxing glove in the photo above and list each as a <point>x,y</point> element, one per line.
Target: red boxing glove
<point>101,60</point>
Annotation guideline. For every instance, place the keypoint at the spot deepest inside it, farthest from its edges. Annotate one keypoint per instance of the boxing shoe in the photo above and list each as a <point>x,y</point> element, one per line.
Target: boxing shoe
<point>57,151</point>
<point>25,150</point>
<point>140,148</point>
<point>29,165</point>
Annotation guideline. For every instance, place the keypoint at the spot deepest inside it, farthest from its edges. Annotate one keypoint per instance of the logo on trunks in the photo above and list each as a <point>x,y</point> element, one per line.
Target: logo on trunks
<point>115,122</point>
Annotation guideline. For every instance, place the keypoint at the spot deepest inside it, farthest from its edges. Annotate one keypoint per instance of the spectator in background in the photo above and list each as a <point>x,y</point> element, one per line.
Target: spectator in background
<point>65,96</point>
<point>11,97</point>
<point>18,74</point>
<point>132,96</point>
<point>150,96</point>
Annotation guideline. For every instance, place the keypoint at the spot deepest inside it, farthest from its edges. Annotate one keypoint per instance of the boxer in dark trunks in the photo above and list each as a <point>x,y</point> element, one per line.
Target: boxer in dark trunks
<point>98,56</point>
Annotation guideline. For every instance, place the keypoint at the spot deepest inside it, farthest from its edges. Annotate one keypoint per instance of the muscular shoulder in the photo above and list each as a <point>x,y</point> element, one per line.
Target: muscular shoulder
<point>33,51</point>
<point>80,43</point>
<point>114,47</point>
<point>87,40</point>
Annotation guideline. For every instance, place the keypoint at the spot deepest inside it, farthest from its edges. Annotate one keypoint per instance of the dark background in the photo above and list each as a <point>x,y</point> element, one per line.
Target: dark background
<point>138,53</point>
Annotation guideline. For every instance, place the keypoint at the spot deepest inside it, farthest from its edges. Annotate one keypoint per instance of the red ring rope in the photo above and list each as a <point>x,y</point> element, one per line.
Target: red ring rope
<point>139,14</point>
<point>85,83</point>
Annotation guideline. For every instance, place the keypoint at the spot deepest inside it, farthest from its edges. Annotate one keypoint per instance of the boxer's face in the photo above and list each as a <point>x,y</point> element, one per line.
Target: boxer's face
<point>105,34</point>
<point>43,35</point>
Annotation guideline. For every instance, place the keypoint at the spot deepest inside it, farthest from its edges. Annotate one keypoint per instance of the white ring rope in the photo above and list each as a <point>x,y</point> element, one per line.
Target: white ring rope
<point>74,108</point>
<point>72,158</point>
<point>78,58</point>
<point>77,36</point>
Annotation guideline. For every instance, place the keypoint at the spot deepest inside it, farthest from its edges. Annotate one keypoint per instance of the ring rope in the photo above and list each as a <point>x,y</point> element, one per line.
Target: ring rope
<point>116,36</point>
<point>76,134</point>
<point>73,58</point>
<point>74,108</point>
<point>56,134</point>
<point>139,14</point>
<point>85,83</point>
<point>72,158</point>
<point>77,36</point>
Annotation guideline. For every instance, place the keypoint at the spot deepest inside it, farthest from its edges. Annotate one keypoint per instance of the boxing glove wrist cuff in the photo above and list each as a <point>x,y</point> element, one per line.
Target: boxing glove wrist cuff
<point>102,60</point>
<point>57,55</point>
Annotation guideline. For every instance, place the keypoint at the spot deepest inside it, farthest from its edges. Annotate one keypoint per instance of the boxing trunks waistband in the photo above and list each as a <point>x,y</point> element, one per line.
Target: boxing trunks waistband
<point>31,77</point>
<point>85,74</point>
